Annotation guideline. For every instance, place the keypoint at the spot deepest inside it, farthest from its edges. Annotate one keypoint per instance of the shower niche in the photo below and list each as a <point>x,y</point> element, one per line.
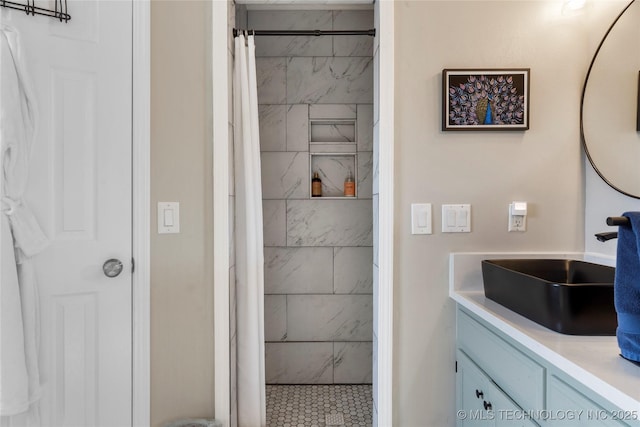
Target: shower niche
<point>333,155</point>
<point>334,169</point>
<point>332,132</point>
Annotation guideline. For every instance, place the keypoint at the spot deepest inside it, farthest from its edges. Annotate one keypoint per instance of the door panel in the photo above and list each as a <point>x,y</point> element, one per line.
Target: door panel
<point>74,145</point>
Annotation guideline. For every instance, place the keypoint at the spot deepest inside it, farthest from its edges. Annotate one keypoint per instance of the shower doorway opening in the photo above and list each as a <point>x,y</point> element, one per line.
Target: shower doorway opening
<point>302,133</point>
<point>315,104</point>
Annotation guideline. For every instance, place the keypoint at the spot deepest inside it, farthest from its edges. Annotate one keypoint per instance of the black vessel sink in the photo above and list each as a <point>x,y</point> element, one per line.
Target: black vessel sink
<point>568,296</point>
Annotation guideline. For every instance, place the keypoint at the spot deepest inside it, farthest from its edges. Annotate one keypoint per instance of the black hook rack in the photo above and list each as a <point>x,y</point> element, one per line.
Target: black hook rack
<point>30,8</point>
<point>618,220</point>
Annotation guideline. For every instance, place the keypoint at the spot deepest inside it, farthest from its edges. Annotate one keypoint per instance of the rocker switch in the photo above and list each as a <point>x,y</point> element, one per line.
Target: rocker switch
<point>168,217</point>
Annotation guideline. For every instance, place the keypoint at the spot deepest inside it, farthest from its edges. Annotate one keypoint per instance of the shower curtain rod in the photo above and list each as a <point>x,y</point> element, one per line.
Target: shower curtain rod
<point>372,32</point>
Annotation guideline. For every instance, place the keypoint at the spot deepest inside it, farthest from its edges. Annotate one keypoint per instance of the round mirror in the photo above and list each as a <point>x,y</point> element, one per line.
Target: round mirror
<point>610,115</point>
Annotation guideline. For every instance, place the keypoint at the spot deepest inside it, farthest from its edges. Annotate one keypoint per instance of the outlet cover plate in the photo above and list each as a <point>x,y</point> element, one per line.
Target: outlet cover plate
<point>517,222</point>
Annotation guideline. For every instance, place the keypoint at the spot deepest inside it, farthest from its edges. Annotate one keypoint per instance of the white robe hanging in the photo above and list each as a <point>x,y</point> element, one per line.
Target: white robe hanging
<point>20,236</point>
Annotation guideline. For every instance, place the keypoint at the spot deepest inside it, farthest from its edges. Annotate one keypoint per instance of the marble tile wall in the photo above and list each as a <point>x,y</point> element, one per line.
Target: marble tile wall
<point>315,95</point>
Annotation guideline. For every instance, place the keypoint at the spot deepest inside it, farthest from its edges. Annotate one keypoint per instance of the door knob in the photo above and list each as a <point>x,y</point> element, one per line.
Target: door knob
<point>112,267</point>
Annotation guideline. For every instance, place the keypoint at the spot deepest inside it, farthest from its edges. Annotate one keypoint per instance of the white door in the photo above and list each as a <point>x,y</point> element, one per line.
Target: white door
<point>80,192</point>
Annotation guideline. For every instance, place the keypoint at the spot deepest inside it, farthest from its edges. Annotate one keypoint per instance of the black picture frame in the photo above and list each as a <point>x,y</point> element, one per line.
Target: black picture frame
<point>469,95</point>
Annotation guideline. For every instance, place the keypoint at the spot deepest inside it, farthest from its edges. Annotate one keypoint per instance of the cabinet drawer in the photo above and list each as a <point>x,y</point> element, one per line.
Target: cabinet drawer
<point>482,403</point>
<point>472,393</point>
<point>507,366</point>
<point>564,401</point>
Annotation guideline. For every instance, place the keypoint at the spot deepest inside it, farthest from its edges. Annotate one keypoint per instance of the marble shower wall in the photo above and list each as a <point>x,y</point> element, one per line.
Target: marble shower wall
<point>318,252</point>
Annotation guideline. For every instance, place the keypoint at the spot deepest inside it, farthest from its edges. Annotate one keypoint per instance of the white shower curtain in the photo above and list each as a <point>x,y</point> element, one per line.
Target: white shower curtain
<point>248,237</point>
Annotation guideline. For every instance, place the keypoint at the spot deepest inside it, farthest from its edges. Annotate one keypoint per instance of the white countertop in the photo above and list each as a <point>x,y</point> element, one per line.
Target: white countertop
<point>592,360</point>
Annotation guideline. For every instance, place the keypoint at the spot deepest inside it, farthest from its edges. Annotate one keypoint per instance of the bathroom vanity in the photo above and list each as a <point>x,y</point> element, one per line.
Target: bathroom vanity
<point>511,371</point>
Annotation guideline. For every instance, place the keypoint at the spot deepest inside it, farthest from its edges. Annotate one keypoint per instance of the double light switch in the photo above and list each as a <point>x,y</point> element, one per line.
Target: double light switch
<point>456,218</point>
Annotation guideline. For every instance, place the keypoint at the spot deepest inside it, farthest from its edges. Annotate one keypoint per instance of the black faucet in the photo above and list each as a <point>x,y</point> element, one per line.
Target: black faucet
<point>612,220</point>
<point>608,235</point>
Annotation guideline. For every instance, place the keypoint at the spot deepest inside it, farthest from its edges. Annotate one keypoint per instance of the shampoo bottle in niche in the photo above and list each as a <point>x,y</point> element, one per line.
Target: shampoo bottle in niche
<point>316,185</point>
<point>349,186</point>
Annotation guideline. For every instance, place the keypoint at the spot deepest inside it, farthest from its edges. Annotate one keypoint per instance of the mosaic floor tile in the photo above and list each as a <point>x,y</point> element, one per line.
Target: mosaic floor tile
<point>334,419</point>
<point>319,405</point>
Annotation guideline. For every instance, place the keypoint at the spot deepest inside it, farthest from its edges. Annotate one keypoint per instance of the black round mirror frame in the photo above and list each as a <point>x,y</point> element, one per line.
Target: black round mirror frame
<point>584,89</point>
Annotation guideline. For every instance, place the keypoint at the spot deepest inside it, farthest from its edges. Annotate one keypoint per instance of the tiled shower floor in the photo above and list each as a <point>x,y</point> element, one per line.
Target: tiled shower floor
<point>319,405</point>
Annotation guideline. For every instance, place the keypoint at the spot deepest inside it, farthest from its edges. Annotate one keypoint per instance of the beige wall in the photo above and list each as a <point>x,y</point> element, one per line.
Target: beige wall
<point>486,169</point>
<point>181,277</point>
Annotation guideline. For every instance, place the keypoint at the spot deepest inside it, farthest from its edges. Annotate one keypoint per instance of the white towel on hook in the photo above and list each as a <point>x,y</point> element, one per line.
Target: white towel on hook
<point>20,236</point>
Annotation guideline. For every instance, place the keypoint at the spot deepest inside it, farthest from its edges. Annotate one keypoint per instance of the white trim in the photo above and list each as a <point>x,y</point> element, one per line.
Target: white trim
<point>141,136</point>
<point>220,32</point>
<point>385,212</point>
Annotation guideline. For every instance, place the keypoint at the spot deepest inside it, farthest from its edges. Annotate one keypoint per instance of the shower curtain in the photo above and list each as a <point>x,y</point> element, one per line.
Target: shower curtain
<point>248,237</point>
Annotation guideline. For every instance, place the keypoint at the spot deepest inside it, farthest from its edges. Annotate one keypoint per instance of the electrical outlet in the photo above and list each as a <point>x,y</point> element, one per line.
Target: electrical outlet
<point>517,222</point>
<point>517,216</point>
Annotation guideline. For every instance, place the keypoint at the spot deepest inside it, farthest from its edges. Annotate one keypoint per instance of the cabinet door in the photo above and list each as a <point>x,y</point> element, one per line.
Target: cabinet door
<point>572,408</point>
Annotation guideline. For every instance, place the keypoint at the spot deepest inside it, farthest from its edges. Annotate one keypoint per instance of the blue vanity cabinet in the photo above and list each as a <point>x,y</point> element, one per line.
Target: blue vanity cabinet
<point>522,388</point>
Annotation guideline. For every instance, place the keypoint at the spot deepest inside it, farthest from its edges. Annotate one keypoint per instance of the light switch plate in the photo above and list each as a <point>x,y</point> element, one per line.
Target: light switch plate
<point>421,218</point>
<point>168,217</point>
<point>456,218</point>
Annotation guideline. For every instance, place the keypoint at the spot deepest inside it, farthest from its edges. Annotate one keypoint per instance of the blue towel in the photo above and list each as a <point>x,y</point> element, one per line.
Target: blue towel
<point>627,288</point>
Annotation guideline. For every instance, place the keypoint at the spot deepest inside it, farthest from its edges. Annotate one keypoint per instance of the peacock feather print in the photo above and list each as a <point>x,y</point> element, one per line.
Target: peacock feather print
<point>492,99</point>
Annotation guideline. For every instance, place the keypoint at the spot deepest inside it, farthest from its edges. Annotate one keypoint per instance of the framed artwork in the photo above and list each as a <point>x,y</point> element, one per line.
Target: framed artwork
<point>485,99</point>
